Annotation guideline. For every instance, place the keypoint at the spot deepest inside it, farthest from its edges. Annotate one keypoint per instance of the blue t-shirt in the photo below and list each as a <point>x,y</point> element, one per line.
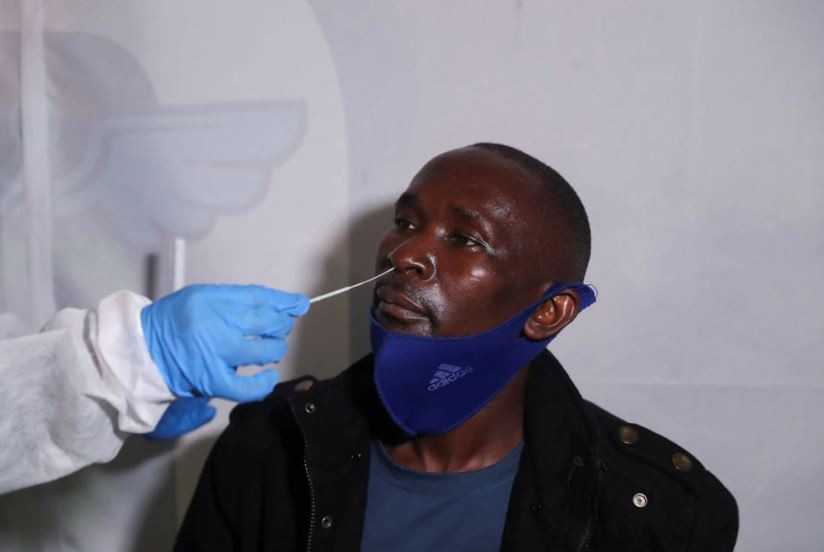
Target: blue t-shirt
<point>413,511</point>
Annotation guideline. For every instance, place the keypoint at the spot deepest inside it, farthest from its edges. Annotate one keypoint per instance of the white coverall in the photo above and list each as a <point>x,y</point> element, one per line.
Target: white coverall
<point>71,394</point>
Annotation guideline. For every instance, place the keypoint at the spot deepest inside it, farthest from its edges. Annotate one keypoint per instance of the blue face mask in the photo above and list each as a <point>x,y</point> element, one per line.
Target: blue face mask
<point>430,385</point>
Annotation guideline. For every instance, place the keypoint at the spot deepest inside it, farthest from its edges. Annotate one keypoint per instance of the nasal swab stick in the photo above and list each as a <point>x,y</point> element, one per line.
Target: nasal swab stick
<point>347,288</point>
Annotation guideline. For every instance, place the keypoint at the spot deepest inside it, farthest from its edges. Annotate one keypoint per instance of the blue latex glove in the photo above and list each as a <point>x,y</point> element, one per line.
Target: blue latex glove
<point>183,416</point>
<point>200,334</point>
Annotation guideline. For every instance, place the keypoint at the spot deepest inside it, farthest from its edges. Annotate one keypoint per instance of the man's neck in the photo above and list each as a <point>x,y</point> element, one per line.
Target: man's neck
<point>481,441</point>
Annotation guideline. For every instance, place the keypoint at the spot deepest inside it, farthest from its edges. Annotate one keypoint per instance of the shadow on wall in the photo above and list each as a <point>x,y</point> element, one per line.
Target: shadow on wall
<point>320,349</point>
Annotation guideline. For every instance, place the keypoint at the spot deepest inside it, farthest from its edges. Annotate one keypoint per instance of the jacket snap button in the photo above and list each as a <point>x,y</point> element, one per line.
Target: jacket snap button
<point>536,507</point>
<point>326,522</point>
<point>628,435</point>
<point>640,500</point>
<point>682,462</point>
<point>310,408</point>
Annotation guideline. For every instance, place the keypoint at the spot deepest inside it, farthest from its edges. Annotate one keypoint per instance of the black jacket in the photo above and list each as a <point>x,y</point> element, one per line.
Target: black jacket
<point>291,473</point>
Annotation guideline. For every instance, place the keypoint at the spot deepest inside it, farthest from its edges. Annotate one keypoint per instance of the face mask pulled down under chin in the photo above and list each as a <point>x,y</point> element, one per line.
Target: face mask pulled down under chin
<point>430,385</point>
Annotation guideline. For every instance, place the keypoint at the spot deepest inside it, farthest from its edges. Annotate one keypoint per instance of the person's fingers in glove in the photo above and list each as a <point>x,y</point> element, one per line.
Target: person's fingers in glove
<point>198,336</point>
<point>259,321</point>
<point>294,304</point>
<point>181,417</point>
<point>249,388</point>
<point>245,351</point>
<point>260,350</point>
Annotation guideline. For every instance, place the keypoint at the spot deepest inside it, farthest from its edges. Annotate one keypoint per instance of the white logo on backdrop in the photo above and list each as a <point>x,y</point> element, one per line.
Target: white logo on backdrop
<point>155,171</point>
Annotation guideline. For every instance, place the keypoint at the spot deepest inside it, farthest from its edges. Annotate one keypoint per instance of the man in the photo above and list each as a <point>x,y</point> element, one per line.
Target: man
<point>459,432</point>
<point>72,393</point>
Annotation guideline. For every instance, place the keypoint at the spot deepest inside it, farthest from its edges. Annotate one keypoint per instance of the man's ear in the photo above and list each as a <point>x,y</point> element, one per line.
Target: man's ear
<point>553,315</point>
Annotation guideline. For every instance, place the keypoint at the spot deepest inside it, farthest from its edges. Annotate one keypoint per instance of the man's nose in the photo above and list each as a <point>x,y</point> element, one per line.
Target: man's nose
<point>415,256</point>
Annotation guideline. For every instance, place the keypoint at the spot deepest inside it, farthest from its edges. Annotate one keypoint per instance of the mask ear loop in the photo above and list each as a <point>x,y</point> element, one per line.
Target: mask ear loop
<point>593,291</point>
<point>591,287</point>
<point>588,293</point>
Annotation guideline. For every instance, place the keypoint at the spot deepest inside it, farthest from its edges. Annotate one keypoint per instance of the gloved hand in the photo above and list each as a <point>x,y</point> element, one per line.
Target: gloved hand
<point>200,334</point>
<point>183,416</point>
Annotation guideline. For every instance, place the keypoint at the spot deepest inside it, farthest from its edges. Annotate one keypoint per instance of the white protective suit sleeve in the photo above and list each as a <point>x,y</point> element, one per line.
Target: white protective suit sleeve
<point>71,394</point>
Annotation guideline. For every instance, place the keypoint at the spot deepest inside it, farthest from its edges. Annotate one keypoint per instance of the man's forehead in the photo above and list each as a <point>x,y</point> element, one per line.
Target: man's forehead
<point>470,181</point>
<point>465,201</point>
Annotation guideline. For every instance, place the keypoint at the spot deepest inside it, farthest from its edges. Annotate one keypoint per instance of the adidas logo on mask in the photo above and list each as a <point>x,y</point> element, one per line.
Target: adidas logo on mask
<point>446,374</point>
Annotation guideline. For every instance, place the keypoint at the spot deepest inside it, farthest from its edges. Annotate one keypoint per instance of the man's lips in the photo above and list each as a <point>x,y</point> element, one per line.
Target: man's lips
<point>398,305</point>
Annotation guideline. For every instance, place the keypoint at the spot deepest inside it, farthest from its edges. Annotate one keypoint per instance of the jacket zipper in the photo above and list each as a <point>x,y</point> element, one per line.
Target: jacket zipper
<point>584,544</point>
<point>312,513</point>
<point>311,503</point>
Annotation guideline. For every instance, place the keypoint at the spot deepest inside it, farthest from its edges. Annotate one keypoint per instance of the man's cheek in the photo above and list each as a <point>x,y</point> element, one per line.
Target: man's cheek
<point>479,273</point>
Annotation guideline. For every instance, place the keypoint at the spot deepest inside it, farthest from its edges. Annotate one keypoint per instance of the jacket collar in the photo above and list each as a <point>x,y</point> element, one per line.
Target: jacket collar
<point>558,477</point>
<point>555,491</point>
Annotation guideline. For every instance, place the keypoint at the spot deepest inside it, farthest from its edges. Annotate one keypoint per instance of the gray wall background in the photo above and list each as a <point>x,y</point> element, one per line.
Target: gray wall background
<point>693,131</point>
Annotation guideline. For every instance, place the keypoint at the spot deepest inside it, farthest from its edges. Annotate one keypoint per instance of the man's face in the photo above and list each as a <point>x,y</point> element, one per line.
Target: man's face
<point>464,247</point>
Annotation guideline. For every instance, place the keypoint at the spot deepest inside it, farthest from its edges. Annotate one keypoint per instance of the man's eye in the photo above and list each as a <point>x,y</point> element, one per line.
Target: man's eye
<point>403,223</point>
<point>465,241</point>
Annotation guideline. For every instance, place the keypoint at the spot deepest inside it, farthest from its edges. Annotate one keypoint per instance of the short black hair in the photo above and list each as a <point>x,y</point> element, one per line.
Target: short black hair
<point>562,202</point>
